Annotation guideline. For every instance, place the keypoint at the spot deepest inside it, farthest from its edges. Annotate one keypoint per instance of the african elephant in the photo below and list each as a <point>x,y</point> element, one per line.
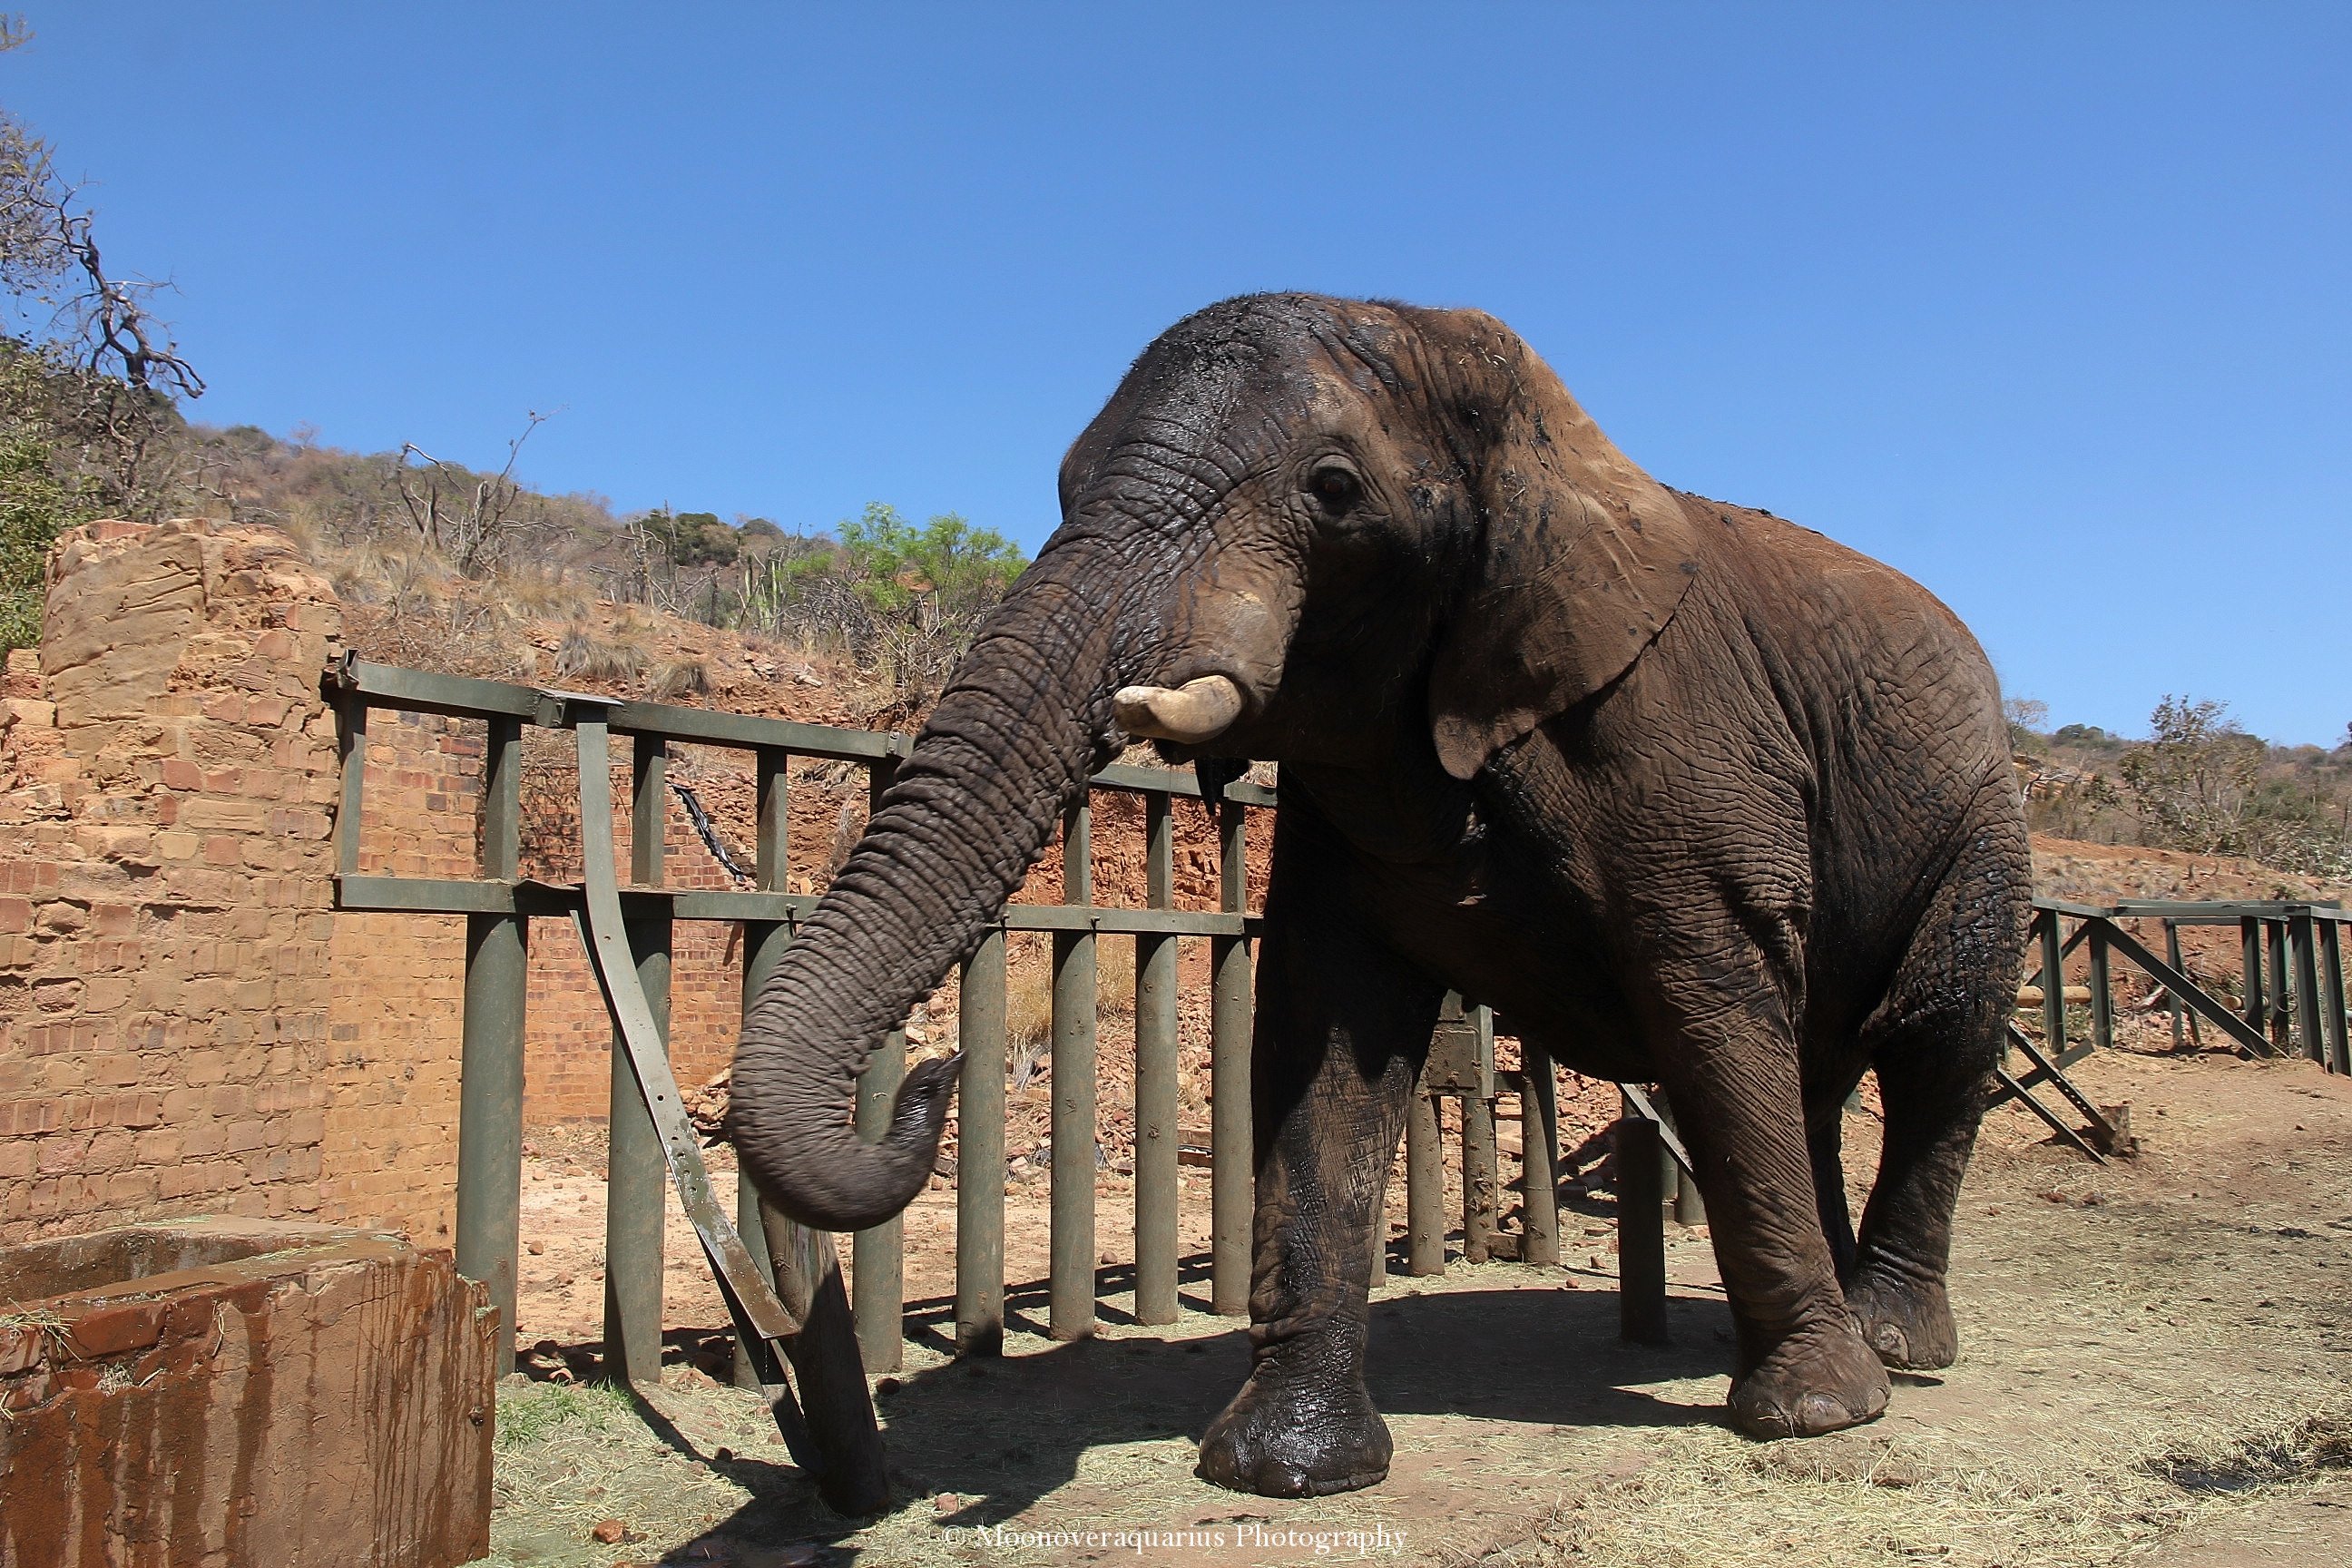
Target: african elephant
<point>1690,794</point>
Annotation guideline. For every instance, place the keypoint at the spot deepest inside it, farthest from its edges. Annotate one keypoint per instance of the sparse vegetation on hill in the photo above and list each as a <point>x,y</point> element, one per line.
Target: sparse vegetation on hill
<point>2199,783</point>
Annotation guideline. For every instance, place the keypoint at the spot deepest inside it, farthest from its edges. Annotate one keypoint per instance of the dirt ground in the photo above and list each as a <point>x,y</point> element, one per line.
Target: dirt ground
<point>2154,1368</point>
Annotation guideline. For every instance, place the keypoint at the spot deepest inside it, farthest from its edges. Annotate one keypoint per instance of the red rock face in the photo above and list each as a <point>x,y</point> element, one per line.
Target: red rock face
<point>214,1394</point>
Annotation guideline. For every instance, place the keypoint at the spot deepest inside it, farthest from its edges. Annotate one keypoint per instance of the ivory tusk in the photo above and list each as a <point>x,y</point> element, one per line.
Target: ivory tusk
<point>1194,712</point>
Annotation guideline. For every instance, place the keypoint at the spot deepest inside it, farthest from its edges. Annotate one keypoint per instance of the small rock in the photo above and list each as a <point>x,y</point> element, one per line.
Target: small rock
<point>537,1250</point>
<point>610,1531</point>
<point>888,1385</point>
<point>723,1457</point>
<point>546,1348</point>
<point>946,1503</point>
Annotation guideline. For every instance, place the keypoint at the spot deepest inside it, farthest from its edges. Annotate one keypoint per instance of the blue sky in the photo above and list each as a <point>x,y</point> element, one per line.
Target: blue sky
<point>2049,306</point>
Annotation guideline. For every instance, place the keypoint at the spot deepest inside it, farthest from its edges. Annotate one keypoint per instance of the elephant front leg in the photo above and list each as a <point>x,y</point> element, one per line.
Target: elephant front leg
<point>1340,1035</point>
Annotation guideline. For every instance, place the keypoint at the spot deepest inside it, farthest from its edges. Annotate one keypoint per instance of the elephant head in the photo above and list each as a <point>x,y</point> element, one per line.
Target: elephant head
<point>1304,528</point>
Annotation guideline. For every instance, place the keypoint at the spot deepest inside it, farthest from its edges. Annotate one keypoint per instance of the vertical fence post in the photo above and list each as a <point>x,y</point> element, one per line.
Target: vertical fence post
<point>980,1153</point>
<point>1539,1157</point>
<point>1233,1168</point>
<point>490,1075</point>
<point>1070,1307</point>
<point>2103,1004</point>
<point>2053,984</point>
<point>1424,1187</point>
<point>1156,1131</point>
<point>352,740</point>
<point>1641,1230</point>
<point>2309,1031</point>
<point>2280,984</point>
<point>637,1176</point>
<point>2180,1013</point>
<point>489,1095</point>
<point>877,1257</point>
<point>764,948</point>
<point>2331,1001</point>
<point>1480,1178</point>
<point>2250,946</point>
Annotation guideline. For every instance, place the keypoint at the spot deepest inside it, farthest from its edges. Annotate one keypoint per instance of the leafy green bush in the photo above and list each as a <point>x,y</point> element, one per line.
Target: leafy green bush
<point>35,502</point>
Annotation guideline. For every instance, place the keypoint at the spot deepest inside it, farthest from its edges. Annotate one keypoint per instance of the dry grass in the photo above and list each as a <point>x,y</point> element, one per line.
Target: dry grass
<point>1711,1499</point>
<point>587,653</point>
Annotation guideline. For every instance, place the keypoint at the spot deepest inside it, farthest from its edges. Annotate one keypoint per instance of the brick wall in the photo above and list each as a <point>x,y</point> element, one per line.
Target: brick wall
<point>166,779</point>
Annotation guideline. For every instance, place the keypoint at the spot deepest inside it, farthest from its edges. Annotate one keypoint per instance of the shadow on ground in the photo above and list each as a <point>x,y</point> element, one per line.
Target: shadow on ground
<point>1000,1435</point>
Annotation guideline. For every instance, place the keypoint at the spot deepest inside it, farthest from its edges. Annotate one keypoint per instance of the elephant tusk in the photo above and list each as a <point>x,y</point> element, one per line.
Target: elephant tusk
<point>1197,711</point>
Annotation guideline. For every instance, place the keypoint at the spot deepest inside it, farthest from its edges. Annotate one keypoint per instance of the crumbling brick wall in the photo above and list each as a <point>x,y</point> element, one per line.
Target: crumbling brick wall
<point>167,775</point>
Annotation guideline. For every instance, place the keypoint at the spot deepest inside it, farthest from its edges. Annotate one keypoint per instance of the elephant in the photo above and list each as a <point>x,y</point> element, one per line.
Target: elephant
<point>1691,794</point>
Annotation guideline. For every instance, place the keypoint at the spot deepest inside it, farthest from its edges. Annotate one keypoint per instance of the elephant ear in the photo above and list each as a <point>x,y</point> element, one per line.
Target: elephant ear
<point>1581,557</point>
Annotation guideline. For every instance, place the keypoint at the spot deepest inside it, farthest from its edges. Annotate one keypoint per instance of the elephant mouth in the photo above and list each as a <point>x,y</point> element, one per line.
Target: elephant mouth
<point>1192,714</point>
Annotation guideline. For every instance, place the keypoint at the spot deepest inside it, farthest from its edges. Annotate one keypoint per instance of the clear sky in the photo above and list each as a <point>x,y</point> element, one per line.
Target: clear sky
<point>2049,306</point>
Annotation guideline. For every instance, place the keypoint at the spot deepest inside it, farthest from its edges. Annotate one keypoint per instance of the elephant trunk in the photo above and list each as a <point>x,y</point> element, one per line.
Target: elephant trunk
<point>1012,742</point>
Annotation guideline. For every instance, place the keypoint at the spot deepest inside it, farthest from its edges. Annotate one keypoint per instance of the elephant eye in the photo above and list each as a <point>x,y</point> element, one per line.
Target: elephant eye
<point>1338,488</point>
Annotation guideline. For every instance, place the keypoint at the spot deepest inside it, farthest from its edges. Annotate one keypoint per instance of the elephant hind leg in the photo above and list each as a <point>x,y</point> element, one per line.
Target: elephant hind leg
<point>1934,1045</point>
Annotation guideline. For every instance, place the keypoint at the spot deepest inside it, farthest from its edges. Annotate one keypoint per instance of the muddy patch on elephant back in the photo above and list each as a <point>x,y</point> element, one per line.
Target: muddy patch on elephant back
<point>2154,1366</point>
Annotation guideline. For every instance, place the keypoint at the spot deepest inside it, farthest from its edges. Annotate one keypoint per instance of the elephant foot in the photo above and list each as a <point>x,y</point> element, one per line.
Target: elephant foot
<point>1908,1324</point>
<point>1290,1441</point>
<point>1819,1379</point>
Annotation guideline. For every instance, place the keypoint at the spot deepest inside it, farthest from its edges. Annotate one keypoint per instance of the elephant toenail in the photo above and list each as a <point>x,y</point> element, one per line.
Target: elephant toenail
<point>1821,1413</point>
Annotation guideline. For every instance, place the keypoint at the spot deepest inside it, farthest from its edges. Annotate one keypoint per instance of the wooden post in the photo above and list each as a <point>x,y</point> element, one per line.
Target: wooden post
<point>1424,1187</point>
<point>877,1255</point>
<point>980,1153</point>
<point>1539,1159</point>
<point>1070,1312</point>
<point>1157,1134</point>
<point>1641,1231</point>
<point>1232,1157</point>
<point>763,947</point>
<point>637,1176</point>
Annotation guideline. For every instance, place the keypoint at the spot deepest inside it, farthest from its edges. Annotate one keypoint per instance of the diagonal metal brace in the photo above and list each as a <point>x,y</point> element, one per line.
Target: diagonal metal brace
<point>760,1321</point>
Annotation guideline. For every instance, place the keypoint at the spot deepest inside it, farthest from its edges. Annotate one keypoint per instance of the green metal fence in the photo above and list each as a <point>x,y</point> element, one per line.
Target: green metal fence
<point>2293,997</point>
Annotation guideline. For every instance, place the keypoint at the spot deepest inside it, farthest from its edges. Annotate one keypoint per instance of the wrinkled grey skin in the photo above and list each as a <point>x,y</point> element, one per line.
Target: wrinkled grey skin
<point>1688,793</point>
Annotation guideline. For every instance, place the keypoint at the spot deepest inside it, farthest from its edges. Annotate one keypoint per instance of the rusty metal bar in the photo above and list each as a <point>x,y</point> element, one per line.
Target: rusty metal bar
<point>1424,1187</point>
<point>979,1152</point>
<point>1070,1310</point>
<point>1156,1133</point>
<point>489,1093</point>
<point>1233,1170</point>
<point>877,1267</point>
